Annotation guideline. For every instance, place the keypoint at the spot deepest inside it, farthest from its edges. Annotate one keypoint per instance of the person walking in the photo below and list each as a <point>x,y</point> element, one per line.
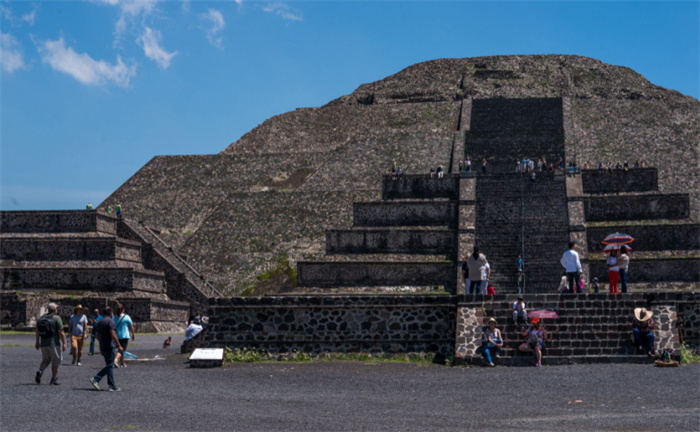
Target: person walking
<point>624,260</point>
<point>571,262</point>
<point>77,329</point>
<point>109,346</point>
<point>125,329</point>
<point>49,337</point>
<point>613,271</point>
<point>93,320</point>
<point>476,263</point>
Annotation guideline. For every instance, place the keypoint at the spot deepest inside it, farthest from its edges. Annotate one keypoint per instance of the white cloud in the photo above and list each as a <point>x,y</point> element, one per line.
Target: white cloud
<point>130,10</point>
<point>30,17</point>
<point>10,54</point>
<point>216,19</point>
<point>239,2</point>
<point>283,10</point>
<point>82,67</point>
<point>150,42</point>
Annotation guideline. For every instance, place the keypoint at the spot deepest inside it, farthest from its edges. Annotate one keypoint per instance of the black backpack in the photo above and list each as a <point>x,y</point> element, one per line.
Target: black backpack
<point>46,327</point>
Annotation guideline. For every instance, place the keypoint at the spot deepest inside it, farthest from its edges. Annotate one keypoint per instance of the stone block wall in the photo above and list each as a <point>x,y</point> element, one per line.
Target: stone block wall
<point>636,207</point>
<point>420,187</point>
<point>396,241</point>
<point>376,214</point>
<point>633,180</point>
<point>524,114</point>
<point>69,249</point>
<point>650,237</point>
<point>364,274</point>
<point>653,270</point>
<point>375,324</point>
<point>95,279</point>
<point>68,221</point>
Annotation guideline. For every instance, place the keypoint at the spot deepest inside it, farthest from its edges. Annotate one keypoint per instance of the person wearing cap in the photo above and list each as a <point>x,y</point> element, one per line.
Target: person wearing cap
<point>493,342</point>
<point>77,329</point>
<point>642,330</point>
<point>535,337</point>
<point>193,329</point>
<point>519,310</point>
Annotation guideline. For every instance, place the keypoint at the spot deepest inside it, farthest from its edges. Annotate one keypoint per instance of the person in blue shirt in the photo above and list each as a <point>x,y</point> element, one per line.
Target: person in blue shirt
<point>125,329</point>
<point>93,320</point>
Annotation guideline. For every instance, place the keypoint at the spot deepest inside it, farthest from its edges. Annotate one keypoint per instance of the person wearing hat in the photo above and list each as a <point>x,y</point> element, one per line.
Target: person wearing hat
<point>493,342</point>
<point>519,310</point>
<point>642,330</point>
<point>77,331</point>
<point>535,337</point>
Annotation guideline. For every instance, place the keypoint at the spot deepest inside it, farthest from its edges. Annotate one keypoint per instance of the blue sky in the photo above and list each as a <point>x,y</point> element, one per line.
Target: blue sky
<point>91,90</point>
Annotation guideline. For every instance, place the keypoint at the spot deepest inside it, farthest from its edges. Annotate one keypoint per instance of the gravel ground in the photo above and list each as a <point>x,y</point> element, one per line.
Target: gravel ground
<point>166,395</point>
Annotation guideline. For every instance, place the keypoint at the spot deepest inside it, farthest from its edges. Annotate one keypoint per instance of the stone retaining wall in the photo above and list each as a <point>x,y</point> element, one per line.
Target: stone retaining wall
<point>396,241</point>
<point>653,270</point>
<point>375,324</point>
<point>369,214</point>
<point>636,207</point>
<point>420,187</point>
<point>94,279</point>
<point>54,221</point>
<point>633,180</point>
<point>68,249</point>
<point>365,274</point>
<point>649,237</point>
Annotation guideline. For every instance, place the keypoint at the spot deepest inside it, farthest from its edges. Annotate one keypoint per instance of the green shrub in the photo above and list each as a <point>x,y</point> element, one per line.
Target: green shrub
<point>243,355</point>
<point>688,356</point>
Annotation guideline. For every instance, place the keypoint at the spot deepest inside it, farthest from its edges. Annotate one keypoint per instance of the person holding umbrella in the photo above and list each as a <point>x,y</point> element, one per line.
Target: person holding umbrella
<point>535,337</point>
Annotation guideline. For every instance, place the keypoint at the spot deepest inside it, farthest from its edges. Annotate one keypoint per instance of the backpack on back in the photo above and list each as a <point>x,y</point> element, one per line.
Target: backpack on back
<point>46,327</point>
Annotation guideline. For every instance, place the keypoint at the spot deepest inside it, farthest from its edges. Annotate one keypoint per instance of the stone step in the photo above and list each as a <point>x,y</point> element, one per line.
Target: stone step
<point>635,207</point>
<point>69,248</point>
<point>596,181</point>
<point>550,360</point>
<point>91,279</point>
<point>348,274</point>
<point>658,237</point>
<point>378,241</point>
<point>57,221</point>
<point>420,186</point>
<point>408,213</point>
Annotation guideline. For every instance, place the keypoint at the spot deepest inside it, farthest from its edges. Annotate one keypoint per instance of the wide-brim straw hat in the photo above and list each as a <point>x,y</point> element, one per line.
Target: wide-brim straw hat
<point>642,314</point>
<point>491,320</point>
<point>79,307</point>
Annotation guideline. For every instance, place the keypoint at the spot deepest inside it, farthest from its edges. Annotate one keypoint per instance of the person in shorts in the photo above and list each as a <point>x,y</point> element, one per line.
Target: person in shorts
<point>49,345</point>
<point>77,328</point>
<point>125,329</point>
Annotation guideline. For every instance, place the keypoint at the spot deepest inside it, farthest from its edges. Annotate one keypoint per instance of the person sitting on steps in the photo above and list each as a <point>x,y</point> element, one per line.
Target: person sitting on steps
<point>535,337</point>
<point>519,310</point>
<point>642,330</point>
<point>493,342</point>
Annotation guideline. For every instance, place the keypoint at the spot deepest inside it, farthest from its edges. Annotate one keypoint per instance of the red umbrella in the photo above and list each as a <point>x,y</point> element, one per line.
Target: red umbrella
<point>543,313</point>
<point>618,237</point>
<point>614,246</point>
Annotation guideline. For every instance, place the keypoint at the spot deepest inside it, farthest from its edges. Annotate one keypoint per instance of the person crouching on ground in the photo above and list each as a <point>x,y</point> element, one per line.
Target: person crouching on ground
<point>535,337</point>
<point>193,329</point>
<point>49,336</point>
<point>109,346</point>
<point>493,342</point>
<point>642,329</point>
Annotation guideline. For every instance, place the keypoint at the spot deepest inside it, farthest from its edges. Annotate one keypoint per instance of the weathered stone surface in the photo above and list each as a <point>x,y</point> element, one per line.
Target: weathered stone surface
<point>636,207</point>
<point>619,180</point>
<point>661,237</point>
<point>608,112</point>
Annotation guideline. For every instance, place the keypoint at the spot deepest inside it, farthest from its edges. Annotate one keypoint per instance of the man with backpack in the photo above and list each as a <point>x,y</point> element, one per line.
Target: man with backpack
<point>49,336</point>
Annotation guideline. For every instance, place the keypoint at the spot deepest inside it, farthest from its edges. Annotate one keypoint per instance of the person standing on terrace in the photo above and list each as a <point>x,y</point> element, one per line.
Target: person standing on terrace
<point>571,262</point>
<point>476,264</point>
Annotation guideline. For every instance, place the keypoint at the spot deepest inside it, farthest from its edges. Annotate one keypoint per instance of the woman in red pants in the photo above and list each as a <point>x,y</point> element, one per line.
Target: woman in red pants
<point>613,271</point>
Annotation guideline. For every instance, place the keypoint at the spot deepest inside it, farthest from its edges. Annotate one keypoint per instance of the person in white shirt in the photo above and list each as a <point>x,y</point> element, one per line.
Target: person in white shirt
<point>571,262</point>
<point>519,311</point>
